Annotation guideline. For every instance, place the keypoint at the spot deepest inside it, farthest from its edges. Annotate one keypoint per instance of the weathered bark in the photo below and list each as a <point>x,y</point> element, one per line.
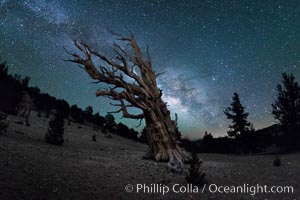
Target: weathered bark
<point>142,93</point>
<point>25,107</point>
<point>162,139</point>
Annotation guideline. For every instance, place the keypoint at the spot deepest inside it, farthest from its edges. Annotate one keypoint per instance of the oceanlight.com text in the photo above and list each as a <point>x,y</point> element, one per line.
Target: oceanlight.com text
<point>211,188</point>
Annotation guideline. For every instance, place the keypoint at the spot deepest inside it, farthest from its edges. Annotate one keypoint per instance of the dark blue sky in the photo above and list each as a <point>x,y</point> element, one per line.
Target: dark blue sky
<point>208,48</point>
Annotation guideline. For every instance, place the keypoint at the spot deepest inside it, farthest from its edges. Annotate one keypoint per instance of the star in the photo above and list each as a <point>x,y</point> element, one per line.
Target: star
<point>209,50</point>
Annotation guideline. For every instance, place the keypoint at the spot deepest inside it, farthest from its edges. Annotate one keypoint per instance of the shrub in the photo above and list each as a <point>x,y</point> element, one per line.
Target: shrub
<point>94,138</point>
<point>27,122</point>
<point>195,175</point>
<point>3,126</point>
<point>3,123</point>
<point>124,131</point>
<point>47,113</point>
<point>103,130</point>
<point>277,161</point>
<point>55,131</point>
<point>109,121</point>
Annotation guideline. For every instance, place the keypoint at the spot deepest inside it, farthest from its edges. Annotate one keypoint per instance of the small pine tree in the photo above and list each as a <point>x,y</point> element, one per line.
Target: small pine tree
<point>236,112</point>
<point>88,114</point>
<point>195,175</point>
<point>109,121</point>
<point>277,161</point>
<point>208,138</point>
<point>103,130</point>
<point>286,108</point>
<point>98,119</point>
<point>27,122</point>
<point>89,110</point>
<point>55,131</point>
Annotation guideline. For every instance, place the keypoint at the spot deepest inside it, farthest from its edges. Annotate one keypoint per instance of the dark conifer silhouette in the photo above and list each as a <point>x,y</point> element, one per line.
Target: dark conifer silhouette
<point>77,114</point>
<point>286,108</point>
<point>109,121</point>
<point>124,131</point>
<point>11,90</point>
<point>63,107</point>
<point>94,138</point>
<point>208,139</point>
<point>98,119</point>
<point>88,114</point>
<point>276,161</point>
<point>14,88</point>
<point>236,112</point>
<point>195,175</point>
<point>89,110</point>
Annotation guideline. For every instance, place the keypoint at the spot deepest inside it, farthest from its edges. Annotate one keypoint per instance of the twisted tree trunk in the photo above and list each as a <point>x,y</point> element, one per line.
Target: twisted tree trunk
<point>162,139</point>
<point>142,93</point>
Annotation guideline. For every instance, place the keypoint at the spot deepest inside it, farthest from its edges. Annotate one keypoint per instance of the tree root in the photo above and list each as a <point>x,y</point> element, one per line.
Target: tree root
<point>175,158</point>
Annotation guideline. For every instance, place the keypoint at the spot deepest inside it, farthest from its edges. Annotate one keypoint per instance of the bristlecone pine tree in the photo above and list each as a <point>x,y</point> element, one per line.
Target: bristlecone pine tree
<point>55,132</point>
<point>135,85</point>
<point>286,108</point>
<point>236,112</point>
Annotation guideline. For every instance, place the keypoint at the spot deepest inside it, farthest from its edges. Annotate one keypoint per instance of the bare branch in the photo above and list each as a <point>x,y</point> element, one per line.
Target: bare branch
<point>137,93</point>
<point>111,93</point>
<point>158,74</point>
<point>126,114</point>
<point>140,123</point>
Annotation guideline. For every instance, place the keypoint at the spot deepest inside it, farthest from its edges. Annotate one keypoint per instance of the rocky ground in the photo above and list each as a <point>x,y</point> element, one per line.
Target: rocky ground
<point>82,169</point>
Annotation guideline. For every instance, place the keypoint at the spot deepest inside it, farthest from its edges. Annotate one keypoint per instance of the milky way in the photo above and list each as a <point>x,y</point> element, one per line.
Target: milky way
<point>209,49</point>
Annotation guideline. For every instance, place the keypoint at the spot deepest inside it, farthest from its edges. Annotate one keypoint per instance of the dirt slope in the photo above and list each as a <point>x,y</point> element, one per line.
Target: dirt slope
<point>83,169</point>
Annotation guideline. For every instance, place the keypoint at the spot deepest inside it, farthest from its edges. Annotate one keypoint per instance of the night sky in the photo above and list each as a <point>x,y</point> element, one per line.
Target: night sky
<point>208,48</point>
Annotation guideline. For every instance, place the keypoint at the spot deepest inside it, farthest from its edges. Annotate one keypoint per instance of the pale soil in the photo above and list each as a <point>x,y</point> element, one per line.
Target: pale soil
<point>83,169</point>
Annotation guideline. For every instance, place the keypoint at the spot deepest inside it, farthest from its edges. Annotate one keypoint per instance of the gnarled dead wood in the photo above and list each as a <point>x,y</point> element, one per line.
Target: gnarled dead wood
<point>139,90</point>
